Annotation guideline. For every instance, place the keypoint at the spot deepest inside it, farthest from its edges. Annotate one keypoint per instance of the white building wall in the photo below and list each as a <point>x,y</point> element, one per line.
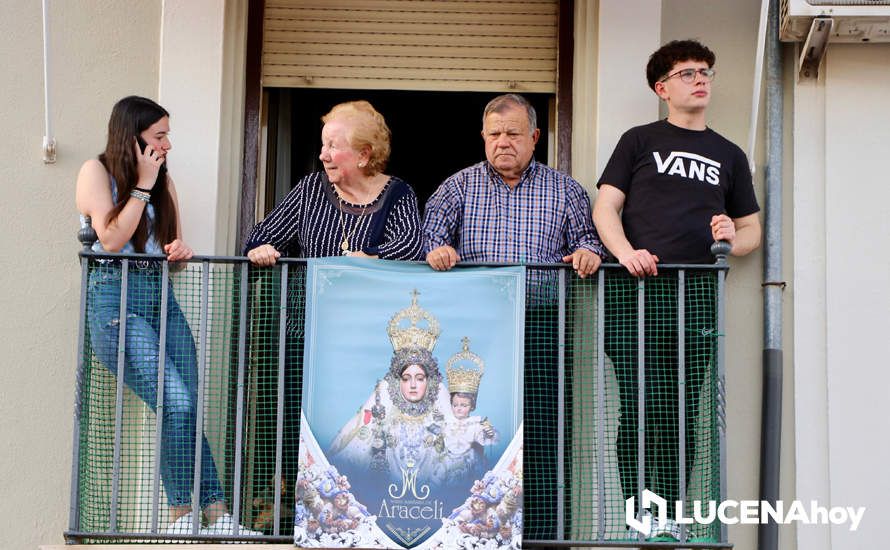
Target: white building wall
<point>192,80</point>
<point>613,41</point>
<point>842,306</point>
<point>190,88</point>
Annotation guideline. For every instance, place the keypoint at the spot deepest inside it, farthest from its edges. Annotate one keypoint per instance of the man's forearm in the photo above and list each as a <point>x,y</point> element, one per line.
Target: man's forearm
<point>611,232</point>
<point>747,239</point>
<point>747,235</point>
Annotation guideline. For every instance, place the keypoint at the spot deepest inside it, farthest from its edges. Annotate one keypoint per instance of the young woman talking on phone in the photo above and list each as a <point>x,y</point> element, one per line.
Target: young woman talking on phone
<point>131,202</point>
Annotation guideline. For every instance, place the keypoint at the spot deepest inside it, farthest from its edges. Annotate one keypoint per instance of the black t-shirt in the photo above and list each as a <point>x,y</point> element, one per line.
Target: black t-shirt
<point>674,180</point>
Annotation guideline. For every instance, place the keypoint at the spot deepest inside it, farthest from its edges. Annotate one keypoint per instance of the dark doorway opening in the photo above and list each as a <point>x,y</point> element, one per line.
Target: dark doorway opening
<point>434,134</point>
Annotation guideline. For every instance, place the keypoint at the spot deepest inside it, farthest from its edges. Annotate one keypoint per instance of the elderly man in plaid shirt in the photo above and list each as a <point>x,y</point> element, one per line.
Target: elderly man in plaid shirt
<point>510,208</point>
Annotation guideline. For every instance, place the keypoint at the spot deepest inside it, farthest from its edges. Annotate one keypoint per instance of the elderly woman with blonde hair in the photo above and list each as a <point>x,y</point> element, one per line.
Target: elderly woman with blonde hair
<point>352,208</point>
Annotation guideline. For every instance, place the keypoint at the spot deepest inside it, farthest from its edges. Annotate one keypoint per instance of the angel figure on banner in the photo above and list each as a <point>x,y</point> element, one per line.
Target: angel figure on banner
<point>324,503</point>
<point>398,430</point>
<point>492,513</point>
<point>465,437</point>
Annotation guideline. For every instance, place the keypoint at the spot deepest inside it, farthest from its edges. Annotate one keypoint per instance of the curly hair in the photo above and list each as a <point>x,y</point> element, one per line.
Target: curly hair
<point>369,130</point>
<point>664,58</point>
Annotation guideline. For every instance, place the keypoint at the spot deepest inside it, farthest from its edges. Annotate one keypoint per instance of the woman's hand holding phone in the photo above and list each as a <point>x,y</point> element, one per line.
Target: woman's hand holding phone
<point>148,163</point>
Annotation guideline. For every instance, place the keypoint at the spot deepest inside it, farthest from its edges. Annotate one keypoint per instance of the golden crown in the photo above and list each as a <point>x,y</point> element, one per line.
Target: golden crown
<point>464,370</point>
<point>405,329</point>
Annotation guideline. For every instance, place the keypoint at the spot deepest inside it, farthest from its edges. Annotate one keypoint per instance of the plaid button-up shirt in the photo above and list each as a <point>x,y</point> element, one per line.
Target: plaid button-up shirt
<point>545,217</point>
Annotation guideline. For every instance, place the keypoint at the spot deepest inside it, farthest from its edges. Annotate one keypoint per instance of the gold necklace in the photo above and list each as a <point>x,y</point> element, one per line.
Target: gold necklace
<point>344,245</point>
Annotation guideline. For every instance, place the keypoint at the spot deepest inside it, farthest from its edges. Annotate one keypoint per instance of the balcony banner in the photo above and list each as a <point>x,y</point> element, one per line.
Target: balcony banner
<point>411,434</point>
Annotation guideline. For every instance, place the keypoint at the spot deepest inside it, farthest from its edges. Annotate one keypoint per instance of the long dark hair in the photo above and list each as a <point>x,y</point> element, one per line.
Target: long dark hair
<point>130,117</point>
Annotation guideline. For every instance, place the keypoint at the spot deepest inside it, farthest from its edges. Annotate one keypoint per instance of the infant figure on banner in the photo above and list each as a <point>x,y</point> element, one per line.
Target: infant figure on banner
<point>465,436</point>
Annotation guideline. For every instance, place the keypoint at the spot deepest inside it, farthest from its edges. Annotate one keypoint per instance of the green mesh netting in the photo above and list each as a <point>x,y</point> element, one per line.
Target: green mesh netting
<point>582,500</point>
<point>659,429</point>
<point>218,347</point>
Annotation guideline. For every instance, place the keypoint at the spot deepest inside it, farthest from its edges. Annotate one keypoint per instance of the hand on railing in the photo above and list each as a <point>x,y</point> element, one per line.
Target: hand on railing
<point>264,255</point>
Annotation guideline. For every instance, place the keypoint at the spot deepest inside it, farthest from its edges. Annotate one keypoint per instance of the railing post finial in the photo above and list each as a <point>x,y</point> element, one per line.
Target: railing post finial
<point>87,235</point>
<point>720,250</point>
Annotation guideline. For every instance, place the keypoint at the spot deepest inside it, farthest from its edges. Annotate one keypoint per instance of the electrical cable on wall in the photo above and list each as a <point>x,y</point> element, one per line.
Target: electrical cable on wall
<point>49,142</point>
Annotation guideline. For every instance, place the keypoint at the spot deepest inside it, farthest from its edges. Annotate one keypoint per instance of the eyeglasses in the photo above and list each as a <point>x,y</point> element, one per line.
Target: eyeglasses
<point>688,75</point>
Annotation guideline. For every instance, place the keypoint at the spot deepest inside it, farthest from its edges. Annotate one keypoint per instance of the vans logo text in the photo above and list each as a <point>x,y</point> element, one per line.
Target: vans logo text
<point>688,165</point>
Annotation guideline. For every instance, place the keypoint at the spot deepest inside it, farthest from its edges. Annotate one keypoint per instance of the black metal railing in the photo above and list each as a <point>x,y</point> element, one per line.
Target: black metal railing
<point>639,387</point>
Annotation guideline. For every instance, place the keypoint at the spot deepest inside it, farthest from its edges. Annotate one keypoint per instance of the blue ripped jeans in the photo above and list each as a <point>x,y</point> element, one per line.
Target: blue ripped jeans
<point>141,371</point>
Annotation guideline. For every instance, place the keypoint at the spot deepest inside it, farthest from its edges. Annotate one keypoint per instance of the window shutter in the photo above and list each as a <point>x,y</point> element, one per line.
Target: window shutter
<point>440,45</point>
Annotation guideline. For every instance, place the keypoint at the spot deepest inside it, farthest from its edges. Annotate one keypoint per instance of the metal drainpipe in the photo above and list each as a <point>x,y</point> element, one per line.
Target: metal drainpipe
<point>773,286</point>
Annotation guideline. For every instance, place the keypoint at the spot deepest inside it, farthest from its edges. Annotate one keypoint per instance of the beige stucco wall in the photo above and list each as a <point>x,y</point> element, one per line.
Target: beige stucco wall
<point>202,85</point>
<point>843,303</point>
<point>100,51</point>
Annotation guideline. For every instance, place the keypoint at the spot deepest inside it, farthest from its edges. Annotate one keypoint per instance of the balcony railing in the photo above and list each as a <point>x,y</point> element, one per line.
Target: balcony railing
<point>623,382</point>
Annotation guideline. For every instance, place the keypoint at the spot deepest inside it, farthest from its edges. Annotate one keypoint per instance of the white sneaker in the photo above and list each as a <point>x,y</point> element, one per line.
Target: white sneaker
<point>669,528</point>
<point>225,525</point>
<point>182,526</point>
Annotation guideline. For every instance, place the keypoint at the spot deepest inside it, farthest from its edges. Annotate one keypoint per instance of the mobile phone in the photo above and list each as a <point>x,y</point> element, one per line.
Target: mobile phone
<point>163,170</point>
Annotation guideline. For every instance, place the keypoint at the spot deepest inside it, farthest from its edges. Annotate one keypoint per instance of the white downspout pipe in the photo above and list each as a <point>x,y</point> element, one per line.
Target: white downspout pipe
<point>758,82</point>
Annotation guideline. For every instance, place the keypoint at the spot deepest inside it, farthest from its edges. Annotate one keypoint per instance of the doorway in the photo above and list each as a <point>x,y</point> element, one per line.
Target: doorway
<point>434,134</point>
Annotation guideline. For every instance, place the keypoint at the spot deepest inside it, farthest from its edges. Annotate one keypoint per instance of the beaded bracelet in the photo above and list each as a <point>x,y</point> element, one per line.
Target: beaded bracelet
<point>141,195</point>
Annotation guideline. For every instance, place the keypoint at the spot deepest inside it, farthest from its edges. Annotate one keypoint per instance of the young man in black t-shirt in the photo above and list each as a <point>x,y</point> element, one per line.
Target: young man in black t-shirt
<point>670,189</point>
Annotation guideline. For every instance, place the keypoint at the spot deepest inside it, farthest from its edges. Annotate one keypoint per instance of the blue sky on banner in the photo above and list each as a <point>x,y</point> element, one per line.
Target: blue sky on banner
<point>350,302</point>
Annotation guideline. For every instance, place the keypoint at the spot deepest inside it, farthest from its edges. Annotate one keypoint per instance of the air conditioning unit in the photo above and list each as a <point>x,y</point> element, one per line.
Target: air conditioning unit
<point>853,20</point>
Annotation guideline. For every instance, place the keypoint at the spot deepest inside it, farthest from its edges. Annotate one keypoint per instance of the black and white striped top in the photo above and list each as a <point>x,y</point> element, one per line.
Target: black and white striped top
<point>312,222</point>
